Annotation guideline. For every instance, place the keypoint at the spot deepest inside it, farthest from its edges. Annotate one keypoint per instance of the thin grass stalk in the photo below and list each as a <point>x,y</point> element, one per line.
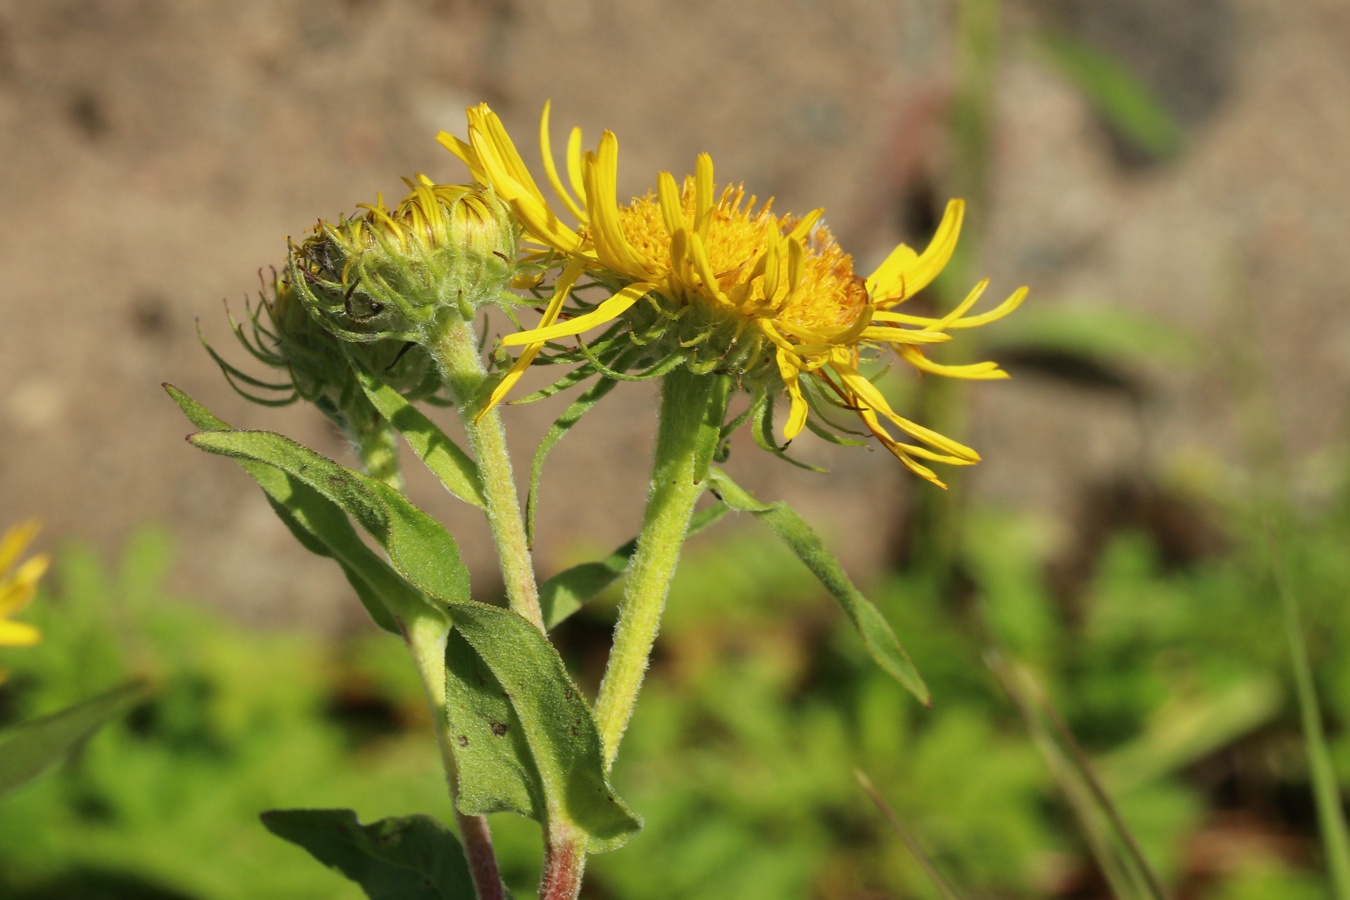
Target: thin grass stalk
<point>1326,792</point>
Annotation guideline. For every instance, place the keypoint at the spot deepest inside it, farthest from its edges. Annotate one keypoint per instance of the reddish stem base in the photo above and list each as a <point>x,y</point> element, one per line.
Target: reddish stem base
<point>563,864</point>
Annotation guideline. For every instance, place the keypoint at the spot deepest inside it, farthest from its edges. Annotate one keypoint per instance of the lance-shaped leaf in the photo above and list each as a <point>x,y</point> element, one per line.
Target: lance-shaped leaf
<point>560,734</point>
<point>522,734</point>
<point>29,749</point>
<point>418,547</point>
<point>872,627</point>
<point>409,858</point>
<point>492,755</point>
<point>441,455</point>
<point>321,528</point>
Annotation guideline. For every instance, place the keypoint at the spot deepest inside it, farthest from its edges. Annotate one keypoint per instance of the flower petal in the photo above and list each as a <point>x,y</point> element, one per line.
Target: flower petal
<point>867,393</point>
<point>792,381</point>
<point>607,311</point>
<point>18,634</point>
<point>611,246</point>
<point>904,274</point>
<point>980,371</point>
<point>551,170</point>
<point>15,542</point>
<point>998,312</point>
<point>561,288</point>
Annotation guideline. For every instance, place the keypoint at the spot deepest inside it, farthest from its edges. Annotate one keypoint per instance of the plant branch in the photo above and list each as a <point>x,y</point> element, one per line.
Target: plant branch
<point>456,348</point>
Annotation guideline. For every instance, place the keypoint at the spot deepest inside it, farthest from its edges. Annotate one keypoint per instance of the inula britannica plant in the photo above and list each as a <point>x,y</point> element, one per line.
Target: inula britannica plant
<point>702,287</point>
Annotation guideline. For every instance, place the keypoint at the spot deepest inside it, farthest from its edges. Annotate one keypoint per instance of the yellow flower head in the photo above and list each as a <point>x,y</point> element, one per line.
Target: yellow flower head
<point>18,584</point>
<point>770,298</point>
<point>396,273</point>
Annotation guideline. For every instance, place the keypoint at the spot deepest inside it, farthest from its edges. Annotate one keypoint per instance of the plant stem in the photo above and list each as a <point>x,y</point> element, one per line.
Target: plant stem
<point>456,348</point>
<point>564,862</point>
<point>376,442</point>
<point>692,409</point>
<point>1326,792</point>
<point>426,635</point>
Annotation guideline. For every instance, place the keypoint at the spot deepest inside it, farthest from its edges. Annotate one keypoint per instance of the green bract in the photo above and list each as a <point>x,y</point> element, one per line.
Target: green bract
<point>442,253</point>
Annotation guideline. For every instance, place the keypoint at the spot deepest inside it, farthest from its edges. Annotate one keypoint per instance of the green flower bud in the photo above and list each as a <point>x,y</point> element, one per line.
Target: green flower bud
<point>286,337</point>
<point>443,252</point>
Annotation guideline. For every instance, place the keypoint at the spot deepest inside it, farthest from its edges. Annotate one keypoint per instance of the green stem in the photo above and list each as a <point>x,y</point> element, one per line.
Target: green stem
<point>692,409</point>
<point>456,348</point>
<point>376,441</point>
<point>1326,792</point>
<point>426,634</point>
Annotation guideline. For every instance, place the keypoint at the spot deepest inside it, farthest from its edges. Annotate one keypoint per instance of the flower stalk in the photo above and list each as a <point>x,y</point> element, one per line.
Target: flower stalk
<point>692,410</point>
<point>456,348</point>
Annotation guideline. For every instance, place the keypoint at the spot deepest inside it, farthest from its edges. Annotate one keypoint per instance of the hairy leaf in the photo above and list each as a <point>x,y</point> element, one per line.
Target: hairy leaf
<point>559,731</point>
<point>320,526</point>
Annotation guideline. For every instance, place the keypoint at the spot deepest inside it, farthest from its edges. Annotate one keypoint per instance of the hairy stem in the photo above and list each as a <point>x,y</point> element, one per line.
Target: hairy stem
<point>457,350</point>
<point>564,862</point>
<point>426,637</point>
<point>692,409</point>
<point>376,442</point>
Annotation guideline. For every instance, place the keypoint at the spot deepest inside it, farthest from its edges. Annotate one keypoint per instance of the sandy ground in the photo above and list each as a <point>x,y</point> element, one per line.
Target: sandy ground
<point>157,154</point>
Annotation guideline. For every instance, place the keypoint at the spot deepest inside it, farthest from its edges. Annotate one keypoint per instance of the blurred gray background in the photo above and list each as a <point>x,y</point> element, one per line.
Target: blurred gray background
<point>158,154</point>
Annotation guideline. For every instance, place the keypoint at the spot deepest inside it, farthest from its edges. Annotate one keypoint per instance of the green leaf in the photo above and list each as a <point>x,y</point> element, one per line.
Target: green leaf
<point>320,527</point>
<point>872,627</point>
<point>1117,95</point>
<point>1128,872</point>
<point>560,734</point>
<point>496,772</point>
<point>570,589</point>
<point>1327,793</point>
<point>409,858</point>
<point>418,546</point>
<point>1190,728</point>
<point>455,469</point>
<point>29,749</point>
<point>565,764</point>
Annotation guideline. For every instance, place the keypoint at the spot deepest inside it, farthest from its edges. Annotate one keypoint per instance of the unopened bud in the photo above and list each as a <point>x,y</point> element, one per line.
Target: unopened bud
<point>444,251</point>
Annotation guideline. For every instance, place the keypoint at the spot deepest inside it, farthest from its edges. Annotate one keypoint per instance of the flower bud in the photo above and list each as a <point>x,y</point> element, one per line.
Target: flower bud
<point>314,357</point>
<point>444,251</point>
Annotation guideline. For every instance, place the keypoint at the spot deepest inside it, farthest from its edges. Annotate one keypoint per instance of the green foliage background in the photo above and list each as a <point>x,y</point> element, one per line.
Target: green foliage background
<point>760,705</point>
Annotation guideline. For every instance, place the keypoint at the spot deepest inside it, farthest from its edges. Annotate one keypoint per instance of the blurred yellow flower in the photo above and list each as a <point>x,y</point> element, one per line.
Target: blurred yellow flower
<point>773,299</point>
<point>18,586</point>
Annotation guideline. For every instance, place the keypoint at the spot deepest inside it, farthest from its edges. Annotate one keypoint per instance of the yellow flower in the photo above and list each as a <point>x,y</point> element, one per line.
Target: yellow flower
<point>18,586</point>
<point>772,298</point>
